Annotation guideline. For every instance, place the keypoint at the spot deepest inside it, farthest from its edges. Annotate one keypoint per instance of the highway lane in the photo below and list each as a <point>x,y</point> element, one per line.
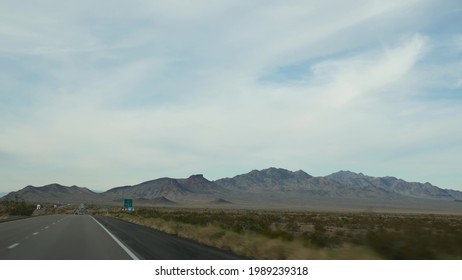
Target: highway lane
<point>58,237</point>
<point>155,245</point>
<point>83,237</point>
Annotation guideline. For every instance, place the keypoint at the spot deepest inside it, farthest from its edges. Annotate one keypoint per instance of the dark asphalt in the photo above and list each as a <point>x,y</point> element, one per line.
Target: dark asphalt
<point>83,237</point>
<point>58,237</point>
<point>151,244</point>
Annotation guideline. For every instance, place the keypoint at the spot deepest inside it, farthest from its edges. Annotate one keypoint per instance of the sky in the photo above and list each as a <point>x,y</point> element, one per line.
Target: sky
<point>102,94</point>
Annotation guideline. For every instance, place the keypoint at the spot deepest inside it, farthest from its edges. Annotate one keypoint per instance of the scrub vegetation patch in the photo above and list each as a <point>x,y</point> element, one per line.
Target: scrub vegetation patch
<point>260,234</point>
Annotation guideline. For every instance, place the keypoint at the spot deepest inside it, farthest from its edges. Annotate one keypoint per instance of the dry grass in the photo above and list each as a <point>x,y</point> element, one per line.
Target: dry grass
<point>260,234</point>
<point>250,244</point>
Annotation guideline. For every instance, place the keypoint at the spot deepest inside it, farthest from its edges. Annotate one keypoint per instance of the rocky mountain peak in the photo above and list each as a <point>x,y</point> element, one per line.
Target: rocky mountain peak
<point>197,178</point>
<point>344,174</point>
<point>271,185</point>
<point>199,183</point>
<point>277,174</point>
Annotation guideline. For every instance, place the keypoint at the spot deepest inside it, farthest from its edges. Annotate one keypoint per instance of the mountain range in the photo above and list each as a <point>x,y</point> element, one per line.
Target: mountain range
<point>268,188</point>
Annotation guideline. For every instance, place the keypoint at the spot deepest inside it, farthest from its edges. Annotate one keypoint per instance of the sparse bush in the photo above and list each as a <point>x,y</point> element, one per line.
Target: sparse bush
<point>217,235</point>
<point>310,235</point>
<point>18,207</point>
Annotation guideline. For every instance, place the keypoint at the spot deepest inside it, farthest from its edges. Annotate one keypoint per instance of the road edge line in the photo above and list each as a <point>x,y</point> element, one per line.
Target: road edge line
<point>130,253</point>
<point>14,245</point>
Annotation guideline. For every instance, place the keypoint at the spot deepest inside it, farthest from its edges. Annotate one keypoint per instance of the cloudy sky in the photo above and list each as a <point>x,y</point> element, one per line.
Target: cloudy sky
<point>107,93</point>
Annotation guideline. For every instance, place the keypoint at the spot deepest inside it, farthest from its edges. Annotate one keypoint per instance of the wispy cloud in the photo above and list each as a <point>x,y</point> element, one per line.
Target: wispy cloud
<point>367,73</point>
<point>457,40</point>
<point>96,97</point>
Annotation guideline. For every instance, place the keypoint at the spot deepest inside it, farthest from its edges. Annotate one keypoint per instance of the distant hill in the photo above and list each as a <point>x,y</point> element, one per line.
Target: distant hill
<point>194,188</point>
<point>55,193</point>
<point>277,180</point>
<point>272,187</point>
<point>267,180</point>
<point>390,185</point>
<point>221,201</point>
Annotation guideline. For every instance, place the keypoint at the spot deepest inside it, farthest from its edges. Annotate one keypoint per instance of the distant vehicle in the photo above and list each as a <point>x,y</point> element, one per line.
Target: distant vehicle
<point>81,210</point>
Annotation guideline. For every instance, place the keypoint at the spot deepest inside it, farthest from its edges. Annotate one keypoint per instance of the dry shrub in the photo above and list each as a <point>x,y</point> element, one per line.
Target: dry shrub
<point>252,245</point>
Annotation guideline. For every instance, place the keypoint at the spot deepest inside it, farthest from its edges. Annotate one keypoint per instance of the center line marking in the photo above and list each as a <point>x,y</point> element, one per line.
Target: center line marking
<point>14,245</point>
<point>35,233</point>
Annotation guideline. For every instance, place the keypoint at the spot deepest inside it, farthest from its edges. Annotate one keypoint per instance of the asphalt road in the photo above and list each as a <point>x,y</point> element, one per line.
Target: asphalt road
<point>58,237</point>
<point>83,237</point>
<point>151,244</point>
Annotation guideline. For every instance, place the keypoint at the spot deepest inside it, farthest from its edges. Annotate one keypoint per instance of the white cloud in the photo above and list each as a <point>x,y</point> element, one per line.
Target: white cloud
<point>457,40</point>
<point>368,73</point>
<point>173,88</point>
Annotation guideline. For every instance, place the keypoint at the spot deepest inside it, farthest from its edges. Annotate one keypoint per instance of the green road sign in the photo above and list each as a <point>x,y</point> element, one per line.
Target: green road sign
<point>128,203</point>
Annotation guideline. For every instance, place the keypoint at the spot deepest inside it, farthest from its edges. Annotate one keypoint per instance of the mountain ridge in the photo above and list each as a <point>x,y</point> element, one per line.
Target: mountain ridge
<point>271,186</point>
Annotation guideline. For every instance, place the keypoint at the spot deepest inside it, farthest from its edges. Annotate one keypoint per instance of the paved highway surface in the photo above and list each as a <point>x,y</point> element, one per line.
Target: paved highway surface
<point>57,237</point>
<point>155,245</point>
<point>83,237</point>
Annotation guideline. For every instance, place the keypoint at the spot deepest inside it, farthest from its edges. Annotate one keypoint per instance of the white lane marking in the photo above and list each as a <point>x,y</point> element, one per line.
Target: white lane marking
<point>14,245</point>
<point>35,233</point>
<point>130,253</point>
